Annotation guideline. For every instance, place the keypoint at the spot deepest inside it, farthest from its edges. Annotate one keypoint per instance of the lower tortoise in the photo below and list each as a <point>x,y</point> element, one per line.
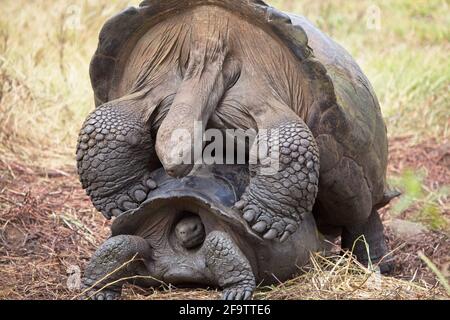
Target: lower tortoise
<point>187,232</point>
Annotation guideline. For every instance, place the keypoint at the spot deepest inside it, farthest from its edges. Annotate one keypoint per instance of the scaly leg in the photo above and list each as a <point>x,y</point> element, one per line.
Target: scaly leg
<point>273,204</point>
<point>229,267</point>
<point>114,261</point>
<point>115,157</point>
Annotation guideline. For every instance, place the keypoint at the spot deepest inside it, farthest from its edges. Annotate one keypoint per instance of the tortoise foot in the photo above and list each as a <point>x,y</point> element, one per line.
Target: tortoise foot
<point>105,294</point>
<point>267,223</point>
<point>241,292</point>
<point>230,268</point>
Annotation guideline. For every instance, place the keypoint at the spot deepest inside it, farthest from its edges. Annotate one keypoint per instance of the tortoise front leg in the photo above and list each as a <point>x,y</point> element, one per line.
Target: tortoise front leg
<point>116,155</point>
<point>117,259</point>
<point>273,203</point>
<point>229,267</point>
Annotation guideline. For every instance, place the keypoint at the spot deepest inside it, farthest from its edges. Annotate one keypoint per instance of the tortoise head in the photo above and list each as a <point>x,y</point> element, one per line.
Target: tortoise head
<point>190,231</point>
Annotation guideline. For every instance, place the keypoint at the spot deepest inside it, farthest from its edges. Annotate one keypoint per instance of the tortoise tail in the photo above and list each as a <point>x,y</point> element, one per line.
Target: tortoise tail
<point>387,197</point>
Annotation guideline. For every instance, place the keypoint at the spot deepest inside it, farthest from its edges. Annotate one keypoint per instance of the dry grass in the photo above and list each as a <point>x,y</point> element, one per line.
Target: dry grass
<point>45,93</point>
<point>342,277</point>
<point>48,226</point>
<point>334,277</point>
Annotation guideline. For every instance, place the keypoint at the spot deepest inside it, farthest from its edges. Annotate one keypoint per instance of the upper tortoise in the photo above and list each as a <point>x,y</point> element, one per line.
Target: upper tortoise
<point>238,64</point>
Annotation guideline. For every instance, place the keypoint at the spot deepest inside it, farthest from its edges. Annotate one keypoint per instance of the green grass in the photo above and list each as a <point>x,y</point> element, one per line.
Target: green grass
<point>425,205</point>
<point>45,50</point>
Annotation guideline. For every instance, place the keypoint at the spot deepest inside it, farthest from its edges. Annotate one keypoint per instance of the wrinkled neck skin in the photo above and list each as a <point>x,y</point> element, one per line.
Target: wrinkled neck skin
<point>213,68</point>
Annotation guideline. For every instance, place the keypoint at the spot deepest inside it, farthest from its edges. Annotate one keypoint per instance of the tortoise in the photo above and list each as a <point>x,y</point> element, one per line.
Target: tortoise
<point>227,65</point>
<point>186,233</point>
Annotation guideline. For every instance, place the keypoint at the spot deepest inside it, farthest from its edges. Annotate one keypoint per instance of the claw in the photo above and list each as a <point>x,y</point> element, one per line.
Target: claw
<point>271,234</point>
<point>249,215</point>
<point>239,295</point>
<point>231,295</point>
<point>151,184</point>
<point>116,212</point>
<point>225,295</point>
<point>129,205</point>
<point>240,204</point>
<point>110,296</point>
<point>260,226</point>
<point>247,295</point>
<point>123,199</point>
<point>285,236</point>
<point>291,228</point>
<point>140,195</point>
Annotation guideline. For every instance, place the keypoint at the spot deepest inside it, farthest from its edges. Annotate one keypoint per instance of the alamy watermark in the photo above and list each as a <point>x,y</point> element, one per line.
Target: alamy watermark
<point>230,146</point>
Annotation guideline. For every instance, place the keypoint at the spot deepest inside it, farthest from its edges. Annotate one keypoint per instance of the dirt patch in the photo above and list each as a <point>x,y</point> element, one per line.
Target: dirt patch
<point>429,155</point>
<point>409,266</point>
<point>47,225</point>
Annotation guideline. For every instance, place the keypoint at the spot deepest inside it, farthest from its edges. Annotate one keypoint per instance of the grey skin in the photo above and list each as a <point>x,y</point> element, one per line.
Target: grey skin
<point>186,232</point>
<point>238,64</point>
